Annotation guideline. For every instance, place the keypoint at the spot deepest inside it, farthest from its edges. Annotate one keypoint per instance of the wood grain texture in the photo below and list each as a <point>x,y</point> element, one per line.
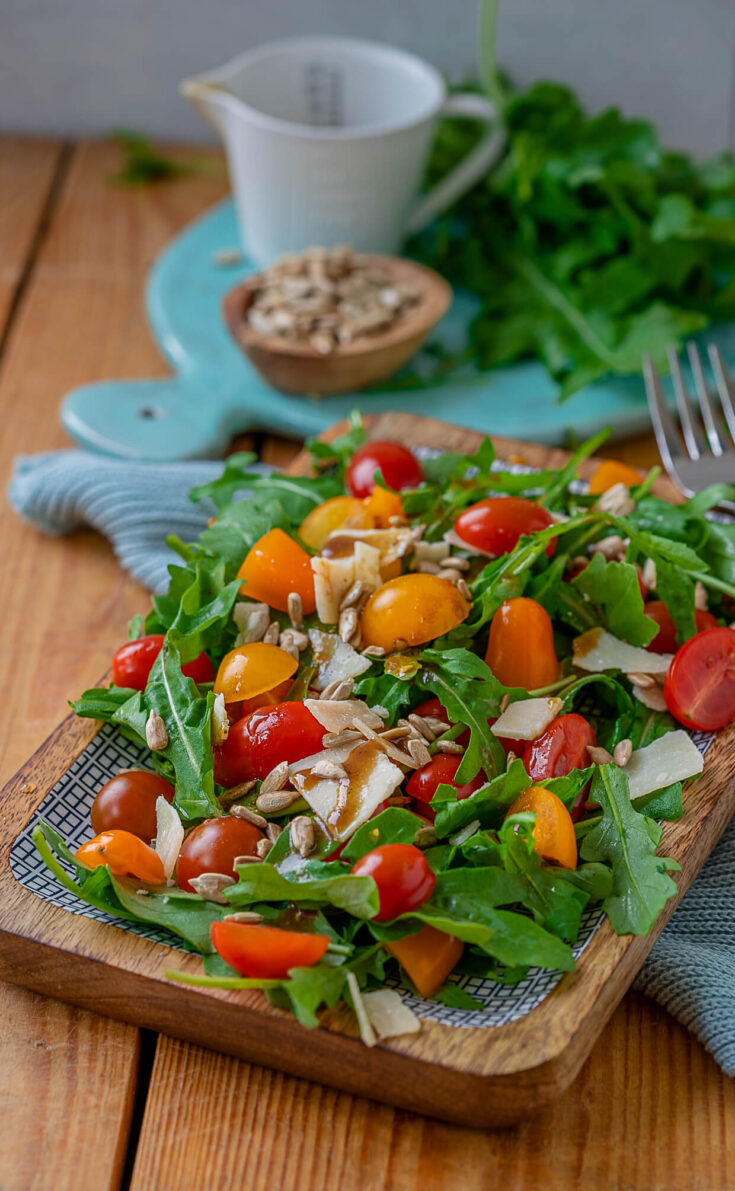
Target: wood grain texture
<point>472,1076</point>
<point>27,172</point>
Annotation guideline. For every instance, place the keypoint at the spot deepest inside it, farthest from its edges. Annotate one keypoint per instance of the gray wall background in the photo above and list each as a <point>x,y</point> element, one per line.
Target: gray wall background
<point>85,66</point>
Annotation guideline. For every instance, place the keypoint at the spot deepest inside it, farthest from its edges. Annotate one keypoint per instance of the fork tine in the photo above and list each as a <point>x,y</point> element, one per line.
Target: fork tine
<point>708,416</point>
<point>692,439</point>
<point>663,423</point>
<point>723,386</point>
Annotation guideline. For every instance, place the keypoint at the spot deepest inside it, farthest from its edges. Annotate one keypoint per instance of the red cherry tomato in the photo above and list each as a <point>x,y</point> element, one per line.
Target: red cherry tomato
<point>265,952</point>
<point>212,848</point>
<point>700,685</point>
<point>397,465</point>
<point>402,875</point>
<point>496,524</point>
<point>665,639</point>
<point>260,741</point>
<point>560,749</point>
<point>128,801</point>
<point>441,769</point>
<point>133,662</point>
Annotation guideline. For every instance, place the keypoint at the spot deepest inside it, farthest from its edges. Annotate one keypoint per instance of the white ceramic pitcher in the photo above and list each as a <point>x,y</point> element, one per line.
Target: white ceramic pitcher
<point>327,140</point>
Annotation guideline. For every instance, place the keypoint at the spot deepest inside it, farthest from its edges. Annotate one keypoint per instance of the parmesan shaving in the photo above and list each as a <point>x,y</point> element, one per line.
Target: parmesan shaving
<point>526,719</point>
<point>169,835</point>
<point>388,1014</point>
<point>366,1030</point>
<point>598,650</point>
<point>672,758</point>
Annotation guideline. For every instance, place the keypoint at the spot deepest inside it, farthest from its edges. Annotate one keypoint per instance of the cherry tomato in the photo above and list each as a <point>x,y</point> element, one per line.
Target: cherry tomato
<point>520,650</point>
<point>340,512</point>
<point>133,662</point>
<point>124,854</point>
<point>128,801</point>
<point>610,472</point>
<point>397,465</point>
<point>382,505</point>
<point>265,952</point>
<point>249,670</point>
<point>402,875</point>
<point>427,957</point>
<point>260,741</point>
<point>700,684</point>
<point>274,567</point>
<point>560,749</point>
<point>496,524</point>
<point>441,769</point>
<point>553,831</point>
<point>213,846</point>
<point>665,639</point>
<point>412,608</point>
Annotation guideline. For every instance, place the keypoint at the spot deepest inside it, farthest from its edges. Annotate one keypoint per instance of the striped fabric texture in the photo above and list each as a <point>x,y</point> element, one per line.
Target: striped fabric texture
<point>691,969</point>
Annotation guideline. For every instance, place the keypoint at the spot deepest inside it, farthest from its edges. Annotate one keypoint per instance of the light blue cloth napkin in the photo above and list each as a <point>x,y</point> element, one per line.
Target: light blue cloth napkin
<point>691,969</point>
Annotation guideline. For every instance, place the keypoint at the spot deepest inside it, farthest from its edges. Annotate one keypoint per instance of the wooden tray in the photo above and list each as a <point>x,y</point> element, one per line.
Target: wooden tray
<point>474,1076</point>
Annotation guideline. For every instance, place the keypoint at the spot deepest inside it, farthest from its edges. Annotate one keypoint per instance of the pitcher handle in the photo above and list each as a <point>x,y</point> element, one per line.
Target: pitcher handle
<point>469,171</point>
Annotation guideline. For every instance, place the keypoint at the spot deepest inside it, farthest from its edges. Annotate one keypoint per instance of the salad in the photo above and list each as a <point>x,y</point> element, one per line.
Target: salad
<point>410,718</point>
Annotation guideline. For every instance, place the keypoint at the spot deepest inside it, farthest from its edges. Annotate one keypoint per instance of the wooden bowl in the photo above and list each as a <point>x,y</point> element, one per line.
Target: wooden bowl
<point>297,368</point>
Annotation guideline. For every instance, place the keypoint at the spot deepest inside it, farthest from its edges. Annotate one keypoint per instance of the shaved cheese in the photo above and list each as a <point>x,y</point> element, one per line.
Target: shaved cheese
<point>344,804</point>
<point>333,578</point>
<point>367,566</point>
<point>391,543</point>
<point>169,834</point>
<point>672,758</point>
<point>388,1014</point>
<point>339,755</point>
<point>336,715</point>
<point>220,720</point>
<point>598,650</point>
<point>526,719</point>
<point>452,538</point>
<point>429,551</point>
<point>363,1021</point>
<point>334,659</point>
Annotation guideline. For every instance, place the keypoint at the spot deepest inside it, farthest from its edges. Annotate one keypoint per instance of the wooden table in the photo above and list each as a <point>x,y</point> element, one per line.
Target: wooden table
<point>85,1101</point>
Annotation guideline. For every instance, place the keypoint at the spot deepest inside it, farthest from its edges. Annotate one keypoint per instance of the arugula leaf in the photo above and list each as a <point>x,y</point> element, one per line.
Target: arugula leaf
<point>392,826</point>
<point>101,703</point>
<point>641,885</point>
<point>263,882</point>
<point>471,694</point>
<point>613,590</point>
<point>676,590</point>
<point>488,804</point>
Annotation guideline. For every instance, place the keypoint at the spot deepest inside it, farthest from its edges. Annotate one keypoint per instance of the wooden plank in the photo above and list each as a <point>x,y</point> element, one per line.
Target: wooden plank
<point>472,1076</point>
<point>649,1110</point>
<point>27,172</point>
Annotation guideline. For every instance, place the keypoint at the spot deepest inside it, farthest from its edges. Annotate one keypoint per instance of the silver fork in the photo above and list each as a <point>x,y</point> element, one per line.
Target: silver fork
<point>694,459</point>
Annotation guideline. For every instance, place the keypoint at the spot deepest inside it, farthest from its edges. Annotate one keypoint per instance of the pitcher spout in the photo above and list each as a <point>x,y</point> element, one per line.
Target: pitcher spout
<point>208,97</point>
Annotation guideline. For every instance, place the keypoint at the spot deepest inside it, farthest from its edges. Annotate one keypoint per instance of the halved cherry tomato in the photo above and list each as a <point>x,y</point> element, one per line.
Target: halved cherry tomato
<point>520,651</point>
<point>339,512</point>
<point>553,831</point>
<point>213,846</point>
<point>128,801</point>
<point>413,609</point>
<point>274,567</point>
<point>700,684</point>
<point>496,524</point>
<point>665,639</point>
<point>265,952</point>
<point>383,504</point>
<point>124,854</point>
<point>441,769</point>
<point>276,694</point>
<point>133,662</point>
<point>402,875</point>
<point>610,472</point>
<point>560,749</point>
<point>427,957</point>
<point>260,741</point>
<point>249,670</point>
<point>397,465</point>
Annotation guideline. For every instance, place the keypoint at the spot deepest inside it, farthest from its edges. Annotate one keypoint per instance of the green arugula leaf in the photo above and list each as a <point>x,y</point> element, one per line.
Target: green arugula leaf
<point>471,694</point>
<point>392,826</point>
<point>263,882</point>
<point>613,590</point>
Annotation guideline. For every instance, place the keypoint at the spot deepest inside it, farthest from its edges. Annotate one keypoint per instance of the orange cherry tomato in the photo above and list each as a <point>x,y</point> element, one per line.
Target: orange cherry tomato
<point>249,670</point>
<point>553,831</point>
<point>412,608</point>
<point>427,957</point>
<point>520,651</point>
<point>276,694</point>
<point>266,952</point>
<point>124,854</point>
<point>382,504</point>
<point>340,512</point>
<point>610,472</point>
<point>274,567</point>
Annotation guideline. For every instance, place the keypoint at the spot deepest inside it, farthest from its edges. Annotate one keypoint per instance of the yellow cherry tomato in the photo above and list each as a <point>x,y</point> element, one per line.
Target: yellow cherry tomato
<point>382,505</point>
<point>553,831</point>
<point>250,670</point>
<point>412,609</point>
<point>340,512</point>
<point>124,854</point>
<point>611,472</point>
<point>276,566</point>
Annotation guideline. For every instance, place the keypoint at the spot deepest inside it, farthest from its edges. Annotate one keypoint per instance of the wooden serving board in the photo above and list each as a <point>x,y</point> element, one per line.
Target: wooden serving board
<point>474,1076</point>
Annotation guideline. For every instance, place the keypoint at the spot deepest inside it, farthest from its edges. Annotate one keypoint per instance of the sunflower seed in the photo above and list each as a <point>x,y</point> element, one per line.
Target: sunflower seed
<point>642,680</point>
<point>622,752</point>
<point>339,688</point>
<point>301,833</point>
<point>353,596</point>
<point>271,634</point>
<point>421,725</point>
<point>425,837</point>
<point>374,651</point>
<point>418,752</point>
<point>327,768</point>
<point>648,574</point>
<point>428,568</point>
<point>288,645</point>
<point>612,547</point>
<point>347,624</point>
<point>510,757</point>
<point>438,727</point>
<point>273,831</point>
<point>450,574</point>
<point>262,848</point>
<point>616,500</point>
<point>398,800</point>
<point>276,779</point>
<point>272,802</point>
<point>397,733</point>
<point>455,562</point>
<point>247,916</point>
<point>700,596</point>
<point>396,522</point>
<point>295,609</point>
<point>249,815</point>
<point>212,886</point>
<point>245,860</point>
<point>252,620</point>
<point>464,590</point>
<point>450,746</point>
<point>600,756</point>
<point>156,736</point>
<point>504,702</point>
<point>331,740</point>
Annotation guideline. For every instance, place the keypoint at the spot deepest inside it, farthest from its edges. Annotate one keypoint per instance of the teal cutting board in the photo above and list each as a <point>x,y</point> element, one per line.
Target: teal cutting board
<point>215,393</point>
